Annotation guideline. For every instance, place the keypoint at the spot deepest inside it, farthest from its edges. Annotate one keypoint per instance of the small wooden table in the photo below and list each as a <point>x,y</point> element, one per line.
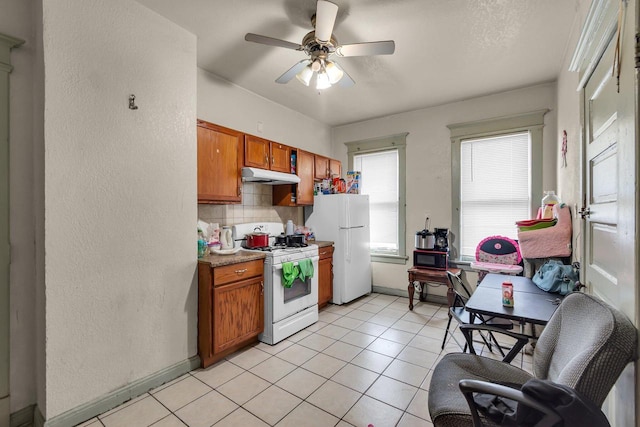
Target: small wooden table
<point>424,275</point>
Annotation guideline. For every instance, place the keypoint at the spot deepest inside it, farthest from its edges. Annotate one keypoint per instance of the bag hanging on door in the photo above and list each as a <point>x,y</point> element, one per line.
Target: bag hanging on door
<point>556,277</point>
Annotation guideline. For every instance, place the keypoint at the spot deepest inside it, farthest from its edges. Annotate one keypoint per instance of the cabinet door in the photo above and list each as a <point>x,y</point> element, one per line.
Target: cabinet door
<point>256,152</point>
<point>280,158</point>
<point>238,312</point>
<point>325,276</point>
<point>321,167</point>
<point>335,168</point>
<point>305,172</point>
<point>219,164</point>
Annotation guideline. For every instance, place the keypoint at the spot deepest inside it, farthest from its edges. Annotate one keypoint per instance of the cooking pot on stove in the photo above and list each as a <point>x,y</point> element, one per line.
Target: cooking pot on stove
<point>281,240</point>
<point>295,240</point>
<point>257,240</point>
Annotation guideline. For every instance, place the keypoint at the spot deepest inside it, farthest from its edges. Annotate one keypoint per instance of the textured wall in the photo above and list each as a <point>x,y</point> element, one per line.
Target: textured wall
<point>226,104</point>
<point>120,197</point>
<point>569,121</point>
<point>429,157</point>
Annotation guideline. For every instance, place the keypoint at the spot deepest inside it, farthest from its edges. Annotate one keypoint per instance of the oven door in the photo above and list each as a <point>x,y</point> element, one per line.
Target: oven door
<point>300,296</point>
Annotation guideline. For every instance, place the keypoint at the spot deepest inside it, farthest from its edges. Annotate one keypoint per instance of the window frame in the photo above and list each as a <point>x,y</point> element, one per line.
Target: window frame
<point>532,122</point>
<point>398,143</point>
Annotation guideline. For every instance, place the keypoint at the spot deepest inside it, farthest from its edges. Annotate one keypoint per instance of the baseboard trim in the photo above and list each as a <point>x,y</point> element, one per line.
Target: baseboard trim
<point>109,401</point>
<point>436,299</point>
<point>22,417</point>
<point>38,419</point>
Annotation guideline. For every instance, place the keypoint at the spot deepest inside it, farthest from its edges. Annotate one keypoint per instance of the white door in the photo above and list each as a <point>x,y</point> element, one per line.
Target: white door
<point>610,194</point>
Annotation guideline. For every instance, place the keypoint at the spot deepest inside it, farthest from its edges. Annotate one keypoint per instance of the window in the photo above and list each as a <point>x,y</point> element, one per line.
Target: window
<point>497,178</point>
<point>381,163</point>
<point>494,188</point>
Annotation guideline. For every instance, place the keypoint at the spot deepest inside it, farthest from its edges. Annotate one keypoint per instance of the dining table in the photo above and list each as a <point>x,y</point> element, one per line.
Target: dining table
<point>531,304</point>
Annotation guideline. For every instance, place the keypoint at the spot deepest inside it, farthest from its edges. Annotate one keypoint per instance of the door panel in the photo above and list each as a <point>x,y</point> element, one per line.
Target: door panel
<point>603,261</point>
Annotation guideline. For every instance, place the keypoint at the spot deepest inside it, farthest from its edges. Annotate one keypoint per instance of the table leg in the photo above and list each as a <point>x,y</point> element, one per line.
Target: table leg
<point>411,289</point>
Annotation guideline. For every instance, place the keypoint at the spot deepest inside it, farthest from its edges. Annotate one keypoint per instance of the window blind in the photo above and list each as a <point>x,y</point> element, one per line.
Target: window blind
<point>379,179</point>
<point>495,181</point>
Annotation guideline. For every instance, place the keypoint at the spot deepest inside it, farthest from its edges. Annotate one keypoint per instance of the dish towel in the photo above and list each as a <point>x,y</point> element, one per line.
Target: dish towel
<point>289,273</point>
<point>306,269</point>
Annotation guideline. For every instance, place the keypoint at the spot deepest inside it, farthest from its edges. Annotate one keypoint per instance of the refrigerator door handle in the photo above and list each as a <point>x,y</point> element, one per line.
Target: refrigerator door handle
<point>349,228</point>
<point>348,245</point>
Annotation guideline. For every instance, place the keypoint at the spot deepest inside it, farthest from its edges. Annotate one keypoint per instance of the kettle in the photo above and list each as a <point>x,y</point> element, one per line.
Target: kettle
<point>424,238</point>
<point>226,239</point>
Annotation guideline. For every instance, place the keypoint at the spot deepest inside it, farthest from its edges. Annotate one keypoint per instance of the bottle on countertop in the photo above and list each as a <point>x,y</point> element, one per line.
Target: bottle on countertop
<point>289,228</point>
<point>202,244</point>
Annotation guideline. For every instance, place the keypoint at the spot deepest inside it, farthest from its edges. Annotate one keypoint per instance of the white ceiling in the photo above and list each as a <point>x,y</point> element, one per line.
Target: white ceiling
<point>446,50</point>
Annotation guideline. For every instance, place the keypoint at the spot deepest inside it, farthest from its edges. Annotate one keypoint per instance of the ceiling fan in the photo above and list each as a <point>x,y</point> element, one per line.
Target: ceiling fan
<point>320,45</point>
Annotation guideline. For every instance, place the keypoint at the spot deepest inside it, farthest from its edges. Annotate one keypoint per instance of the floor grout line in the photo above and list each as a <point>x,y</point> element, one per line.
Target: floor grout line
<point>396,342</point>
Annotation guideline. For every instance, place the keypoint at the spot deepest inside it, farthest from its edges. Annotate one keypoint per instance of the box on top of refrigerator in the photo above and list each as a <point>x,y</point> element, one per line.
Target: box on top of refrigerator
<point>353,182</point>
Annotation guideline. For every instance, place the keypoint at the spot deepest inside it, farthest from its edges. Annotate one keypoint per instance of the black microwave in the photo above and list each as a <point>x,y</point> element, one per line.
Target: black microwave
<point>435,260</point>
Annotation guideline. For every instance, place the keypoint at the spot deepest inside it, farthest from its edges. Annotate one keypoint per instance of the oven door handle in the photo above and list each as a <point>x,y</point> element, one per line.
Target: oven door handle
<point>314,260</point>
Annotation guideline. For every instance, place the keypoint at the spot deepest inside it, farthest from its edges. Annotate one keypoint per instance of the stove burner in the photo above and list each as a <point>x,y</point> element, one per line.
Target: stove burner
<point>277,247</point>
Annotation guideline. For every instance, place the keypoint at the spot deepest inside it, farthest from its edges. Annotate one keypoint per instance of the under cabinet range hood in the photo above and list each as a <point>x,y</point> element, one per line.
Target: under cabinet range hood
<point>263,176</point>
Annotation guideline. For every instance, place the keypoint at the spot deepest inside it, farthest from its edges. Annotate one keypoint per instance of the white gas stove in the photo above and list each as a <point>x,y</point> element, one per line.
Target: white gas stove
<point>287,310</point>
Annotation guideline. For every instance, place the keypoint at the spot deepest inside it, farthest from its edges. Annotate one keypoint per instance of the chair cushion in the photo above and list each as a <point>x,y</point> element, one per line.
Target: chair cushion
<point>447,404</point>
<point>496,268</point>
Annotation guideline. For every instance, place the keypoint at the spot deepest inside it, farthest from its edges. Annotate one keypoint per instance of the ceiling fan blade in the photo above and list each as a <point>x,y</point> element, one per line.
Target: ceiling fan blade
<point>366,49</point>
<point>346,80</point>
<point>325,19</point>
<point>256,38</point>
<point>291,72</point>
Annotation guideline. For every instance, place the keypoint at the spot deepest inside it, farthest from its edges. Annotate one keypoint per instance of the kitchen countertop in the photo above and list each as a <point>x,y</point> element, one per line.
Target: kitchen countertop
<point>215,260</point>
<point>322,243</point>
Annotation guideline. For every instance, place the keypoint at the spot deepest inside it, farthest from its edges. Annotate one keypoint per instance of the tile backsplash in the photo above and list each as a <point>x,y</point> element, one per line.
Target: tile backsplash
<point>256,207</point>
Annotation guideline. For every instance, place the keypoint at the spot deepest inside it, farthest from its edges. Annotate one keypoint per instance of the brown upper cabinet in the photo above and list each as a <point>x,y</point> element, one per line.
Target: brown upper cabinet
<point>264,154</point>
<point>321,167</point>
<point>326,168</point>
<point>219,164</point>
<point>335,168</point>
<point>300,194</point>
<point>280,157</point>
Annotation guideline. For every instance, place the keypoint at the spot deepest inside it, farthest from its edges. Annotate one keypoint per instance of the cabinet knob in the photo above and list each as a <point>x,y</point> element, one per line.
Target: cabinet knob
<point>261,288</point>
<point>241,272</point>
<point>273,160</point>
<point>322,253</point>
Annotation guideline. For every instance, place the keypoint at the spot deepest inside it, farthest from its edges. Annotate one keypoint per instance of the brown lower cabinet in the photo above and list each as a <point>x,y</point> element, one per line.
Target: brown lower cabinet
<point>325,275</point>
<point>230,308</point>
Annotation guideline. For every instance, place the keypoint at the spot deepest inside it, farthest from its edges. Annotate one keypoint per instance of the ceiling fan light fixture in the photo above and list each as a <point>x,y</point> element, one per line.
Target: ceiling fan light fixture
<point>322,81</point>
<point>333,72</point>
<point>316,65</point>
<point>305,75</point>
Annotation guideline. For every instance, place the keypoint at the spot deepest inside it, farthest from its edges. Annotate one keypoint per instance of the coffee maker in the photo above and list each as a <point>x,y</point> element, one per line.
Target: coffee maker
<point>441,239</point>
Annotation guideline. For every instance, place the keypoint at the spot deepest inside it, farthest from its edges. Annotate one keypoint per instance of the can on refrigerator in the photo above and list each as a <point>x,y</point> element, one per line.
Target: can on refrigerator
<point>507,294</point>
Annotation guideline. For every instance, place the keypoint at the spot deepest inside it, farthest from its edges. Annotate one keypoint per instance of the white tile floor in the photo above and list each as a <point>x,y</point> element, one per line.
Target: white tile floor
<point>367,362</point>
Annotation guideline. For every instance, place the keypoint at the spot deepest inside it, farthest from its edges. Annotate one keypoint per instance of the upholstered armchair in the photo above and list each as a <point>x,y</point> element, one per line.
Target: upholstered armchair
<point>585,346</point>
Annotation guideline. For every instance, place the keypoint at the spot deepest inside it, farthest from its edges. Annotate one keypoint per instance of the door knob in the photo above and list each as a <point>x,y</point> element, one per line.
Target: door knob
<point>585,212</point>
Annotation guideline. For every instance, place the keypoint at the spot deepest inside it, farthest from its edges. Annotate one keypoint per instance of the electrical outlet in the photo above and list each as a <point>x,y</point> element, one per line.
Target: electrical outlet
<point>260,127</point>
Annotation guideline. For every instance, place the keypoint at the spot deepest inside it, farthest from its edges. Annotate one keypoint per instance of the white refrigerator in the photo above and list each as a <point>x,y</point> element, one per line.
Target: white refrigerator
<point>344,219</point>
